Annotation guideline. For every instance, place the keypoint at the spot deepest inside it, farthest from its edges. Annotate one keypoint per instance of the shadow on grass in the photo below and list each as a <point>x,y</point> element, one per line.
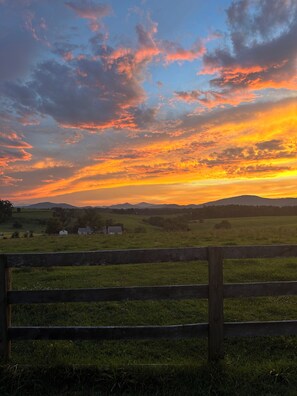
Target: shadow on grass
<point>210,379</point>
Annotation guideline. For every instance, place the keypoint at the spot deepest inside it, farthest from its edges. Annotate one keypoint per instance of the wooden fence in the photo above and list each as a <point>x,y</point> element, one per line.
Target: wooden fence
<point>215,291</point>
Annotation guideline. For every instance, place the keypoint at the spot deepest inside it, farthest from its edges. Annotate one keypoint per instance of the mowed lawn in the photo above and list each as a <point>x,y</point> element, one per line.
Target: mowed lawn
<point>251,366</point>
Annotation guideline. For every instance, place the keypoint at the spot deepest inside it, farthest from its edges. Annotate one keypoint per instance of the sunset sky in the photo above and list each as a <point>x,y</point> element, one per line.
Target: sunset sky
<point>152,100</point>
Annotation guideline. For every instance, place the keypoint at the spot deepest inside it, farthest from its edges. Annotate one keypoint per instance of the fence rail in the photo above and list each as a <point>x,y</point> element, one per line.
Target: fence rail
<point>215,291</point>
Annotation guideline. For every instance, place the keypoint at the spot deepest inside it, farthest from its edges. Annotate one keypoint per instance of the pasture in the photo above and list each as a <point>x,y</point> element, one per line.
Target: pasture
<point>251,366</point>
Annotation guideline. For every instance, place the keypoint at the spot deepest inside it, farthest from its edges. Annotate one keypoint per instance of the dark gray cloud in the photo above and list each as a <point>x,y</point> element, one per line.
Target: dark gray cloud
<point>29,32</point>
<point>86,93</point>
<point>262,54</point>
<point>263,19</point>
<point>96,42</point>
<point>65,49</point>
<point>144,117</point>
<point>255,169</point>
<point>274,144</point>
<point>19,48</point>
<point>267,150</point>
<point>264,46</point>
<point>23,98</point>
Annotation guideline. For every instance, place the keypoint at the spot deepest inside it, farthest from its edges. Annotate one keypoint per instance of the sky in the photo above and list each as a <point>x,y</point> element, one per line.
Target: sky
<point>158,101</point>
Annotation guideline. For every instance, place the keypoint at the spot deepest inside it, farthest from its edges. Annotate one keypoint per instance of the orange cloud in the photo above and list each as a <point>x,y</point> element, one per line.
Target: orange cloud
<point>211,98</point>
<point>13,149</point>
<point>234,70</point>
<point>238,150</point>
<point>256,77</point>
<point>8,181</point>
<point>47,163</point>
<point>175,53</point>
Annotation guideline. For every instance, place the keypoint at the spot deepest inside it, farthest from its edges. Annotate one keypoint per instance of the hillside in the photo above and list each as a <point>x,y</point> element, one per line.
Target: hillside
<point>50,205</point>
<point>254,200</point>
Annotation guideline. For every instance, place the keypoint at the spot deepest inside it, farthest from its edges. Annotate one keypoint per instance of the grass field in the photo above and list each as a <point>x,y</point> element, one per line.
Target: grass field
<point>250,230</point>
<point>261,366</point>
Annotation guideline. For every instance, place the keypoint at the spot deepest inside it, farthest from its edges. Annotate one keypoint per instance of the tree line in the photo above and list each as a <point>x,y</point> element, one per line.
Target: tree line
<point>5,210</point>
<point>214,212</point>
<point>72,219</point>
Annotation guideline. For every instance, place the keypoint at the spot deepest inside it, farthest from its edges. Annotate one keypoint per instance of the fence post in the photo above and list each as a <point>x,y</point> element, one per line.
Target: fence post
<point>215,304</point>
<point>5,309</point>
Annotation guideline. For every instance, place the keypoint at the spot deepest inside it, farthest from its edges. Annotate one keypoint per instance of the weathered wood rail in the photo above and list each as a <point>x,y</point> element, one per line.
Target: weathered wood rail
<point>215,291</point>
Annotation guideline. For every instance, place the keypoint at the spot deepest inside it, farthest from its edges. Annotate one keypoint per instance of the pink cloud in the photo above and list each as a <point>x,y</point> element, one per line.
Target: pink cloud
<point>131,61</point>
<point>13,148</point>
<point>12,140</point>
<point>67,56</point>
<point>36,27</point>
<point>93,12</point>
<point>211,98</point>
<point>73,139</point>
<point>175,53</point>
<point>8,180</point>
<point>89,9</point>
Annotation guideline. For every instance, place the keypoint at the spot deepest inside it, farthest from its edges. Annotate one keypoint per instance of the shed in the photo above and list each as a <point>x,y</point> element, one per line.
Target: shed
<point>114,230</point>
<point>85,231</point>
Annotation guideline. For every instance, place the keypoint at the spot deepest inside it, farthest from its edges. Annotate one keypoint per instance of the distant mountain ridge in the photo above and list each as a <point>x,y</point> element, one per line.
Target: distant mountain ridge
<point>243,200</point>
<point>50,205</point>
<point>144,205</point>
<point>253,200</point>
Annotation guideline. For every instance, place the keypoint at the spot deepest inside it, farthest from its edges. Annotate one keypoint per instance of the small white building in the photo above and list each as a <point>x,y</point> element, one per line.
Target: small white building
<point>85,231</point>
<point>63,233</point>
<point>114,230</point>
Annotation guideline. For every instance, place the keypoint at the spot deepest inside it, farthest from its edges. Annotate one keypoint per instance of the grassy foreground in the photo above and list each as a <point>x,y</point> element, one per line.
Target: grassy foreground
<point>229,378</point>
<point>259,366</point>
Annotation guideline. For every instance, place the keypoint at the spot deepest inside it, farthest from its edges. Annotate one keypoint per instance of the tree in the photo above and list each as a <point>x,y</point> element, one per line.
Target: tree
<point>90,218</point>
<point>5,210</point>
<point>64,215</point>
<point>53,226</point>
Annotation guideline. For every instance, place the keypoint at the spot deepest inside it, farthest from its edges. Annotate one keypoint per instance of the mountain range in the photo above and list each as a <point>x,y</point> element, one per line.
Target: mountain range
<point>244,200</point>
<point>49,205</point>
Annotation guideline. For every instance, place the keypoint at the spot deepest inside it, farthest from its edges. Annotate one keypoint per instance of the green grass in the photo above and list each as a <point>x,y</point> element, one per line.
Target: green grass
<point>251,231</point>
<point>226,379</point>
<point>270,228</point>
<point>29,218</point>
<point>252,366</point>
